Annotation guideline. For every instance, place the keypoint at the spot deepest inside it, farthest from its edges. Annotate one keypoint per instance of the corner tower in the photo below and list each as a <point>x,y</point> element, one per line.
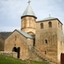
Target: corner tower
<point>28,20</point>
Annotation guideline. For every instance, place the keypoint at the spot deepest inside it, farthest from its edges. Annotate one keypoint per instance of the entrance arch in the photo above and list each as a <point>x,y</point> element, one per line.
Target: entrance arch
<point>17,50</point>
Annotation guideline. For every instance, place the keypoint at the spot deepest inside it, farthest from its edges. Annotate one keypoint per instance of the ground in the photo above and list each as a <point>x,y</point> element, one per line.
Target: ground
<point>11,60</point>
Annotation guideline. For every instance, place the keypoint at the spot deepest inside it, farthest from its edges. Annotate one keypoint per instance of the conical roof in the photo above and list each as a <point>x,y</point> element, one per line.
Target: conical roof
<point>28,12</point>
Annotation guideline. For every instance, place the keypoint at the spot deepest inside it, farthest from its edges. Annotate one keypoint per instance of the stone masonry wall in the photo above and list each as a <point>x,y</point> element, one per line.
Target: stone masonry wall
<point>12,54</point>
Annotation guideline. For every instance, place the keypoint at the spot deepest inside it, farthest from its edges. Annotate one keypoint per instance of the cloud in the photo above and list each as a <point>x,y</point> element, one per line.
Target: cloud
<point>12,10</point>
<point>7,29</point>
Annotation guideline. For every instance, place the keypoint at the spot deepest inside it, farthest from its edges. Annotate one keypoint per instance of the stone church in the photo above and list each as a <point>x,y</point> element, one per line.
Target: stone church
<point>37,40</point>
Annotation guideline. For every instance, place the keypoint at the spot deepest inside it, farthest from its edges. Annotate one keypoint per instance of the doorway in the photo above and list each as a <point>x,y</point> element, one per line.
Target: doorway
<point>62,58</point>
<point>17,50</point>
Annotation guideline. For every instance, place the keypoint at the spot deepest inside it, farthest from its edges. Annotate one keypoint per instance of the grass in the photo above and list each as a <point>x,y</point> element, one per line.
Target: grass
<point>10,60</point>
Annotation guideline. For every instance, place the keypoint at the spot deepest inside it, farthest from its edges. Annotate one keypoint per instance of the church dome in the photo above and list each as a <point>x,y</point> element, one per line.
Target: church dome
<point>28,12</point>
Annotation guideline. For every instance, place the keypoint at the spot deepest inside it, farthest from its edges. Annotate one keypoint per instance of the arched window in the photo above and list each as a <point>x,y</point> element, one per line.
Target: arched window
<point>15,38</point>
<point>41,25</point>
<point>50,24</point>
<point>46,42</point>
<point>45,52</point>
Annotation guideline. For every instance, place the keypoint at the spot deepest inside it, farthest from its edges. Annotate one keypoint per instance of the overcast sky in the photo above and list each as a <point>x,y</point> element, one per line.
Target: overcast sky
<point>12,10</point>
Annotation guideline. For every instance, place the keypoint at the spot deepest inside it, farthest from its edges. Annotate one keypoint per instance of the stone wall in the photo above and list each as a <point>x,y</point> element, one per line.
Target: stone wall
<point>12,54</point>
<point>16,39</point>
<point>47,38</point>
<point>28,24</point>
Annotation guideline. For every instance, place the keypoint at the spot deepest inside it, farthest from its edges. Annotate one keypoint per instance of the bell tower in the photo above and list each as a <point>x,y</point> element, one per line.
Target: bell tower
<point>28,20</point>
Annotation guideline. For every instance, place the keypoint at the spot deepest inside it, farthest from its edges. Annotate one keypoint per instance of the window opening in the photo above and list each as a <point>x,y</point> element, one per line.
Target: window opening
<point>50,24</point>
<point>41,25</point>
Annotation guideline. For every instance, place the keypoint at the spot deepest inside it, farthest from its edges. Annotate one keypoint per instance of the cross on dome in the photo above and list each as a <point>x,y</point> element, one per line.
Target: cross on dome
<point>49,15</point>
<point>29,2</point>
<point>28,11</point>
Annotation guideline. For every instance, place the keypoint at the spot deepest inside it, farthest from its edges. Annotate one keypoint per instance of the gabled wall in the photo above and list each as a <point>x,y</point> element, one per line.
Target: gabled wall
<point>18,40</point>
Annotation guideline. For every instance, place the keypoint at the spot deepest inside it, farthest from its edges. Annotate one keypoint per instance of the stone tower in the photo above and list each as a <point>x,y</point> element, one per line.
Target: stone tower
<point>28,20</point>
<point>49,37</point>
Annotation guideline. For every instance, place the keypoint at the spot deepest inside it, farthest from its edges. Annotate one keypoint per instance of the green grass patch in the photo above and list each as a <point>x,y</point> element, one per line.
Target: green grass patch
<point>11,60</point>
<point>36,62</point>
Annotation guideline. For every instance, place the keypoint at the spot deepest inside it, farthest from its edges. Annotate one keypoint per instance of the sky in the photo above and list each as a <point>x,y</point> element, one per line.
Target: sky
<point>12,10</point>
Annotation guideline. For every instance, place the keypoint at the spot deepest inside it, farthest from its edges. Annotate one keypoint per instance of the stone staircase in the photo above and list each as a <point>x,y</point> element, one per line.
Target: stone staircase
<point>43,56</point>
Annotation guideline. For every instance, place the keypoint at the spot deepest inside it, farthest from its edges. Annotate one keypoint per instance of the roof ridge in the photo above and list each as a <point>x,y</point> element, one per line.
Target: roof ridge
<point>24,34</point>
<point>48,18</point>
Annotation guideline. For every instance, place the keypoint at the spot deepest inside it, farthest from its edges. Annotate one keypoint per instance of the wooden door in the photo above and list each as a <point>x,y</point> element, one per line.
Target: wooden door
<point>62,58</point>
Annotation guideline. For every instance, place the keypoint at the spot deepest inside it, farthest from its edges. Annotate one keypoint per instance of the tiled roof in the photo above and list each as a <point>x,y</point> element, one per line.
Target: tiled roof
<point>50,18</point>
<point>24,34</point>
<point>4,35</point>
<point>28,11</point>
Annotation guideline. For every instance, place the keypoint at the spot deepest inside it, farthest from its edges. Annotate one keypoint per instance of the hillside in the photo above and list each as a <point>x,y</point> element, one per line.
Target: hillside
<point>10,60</point>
